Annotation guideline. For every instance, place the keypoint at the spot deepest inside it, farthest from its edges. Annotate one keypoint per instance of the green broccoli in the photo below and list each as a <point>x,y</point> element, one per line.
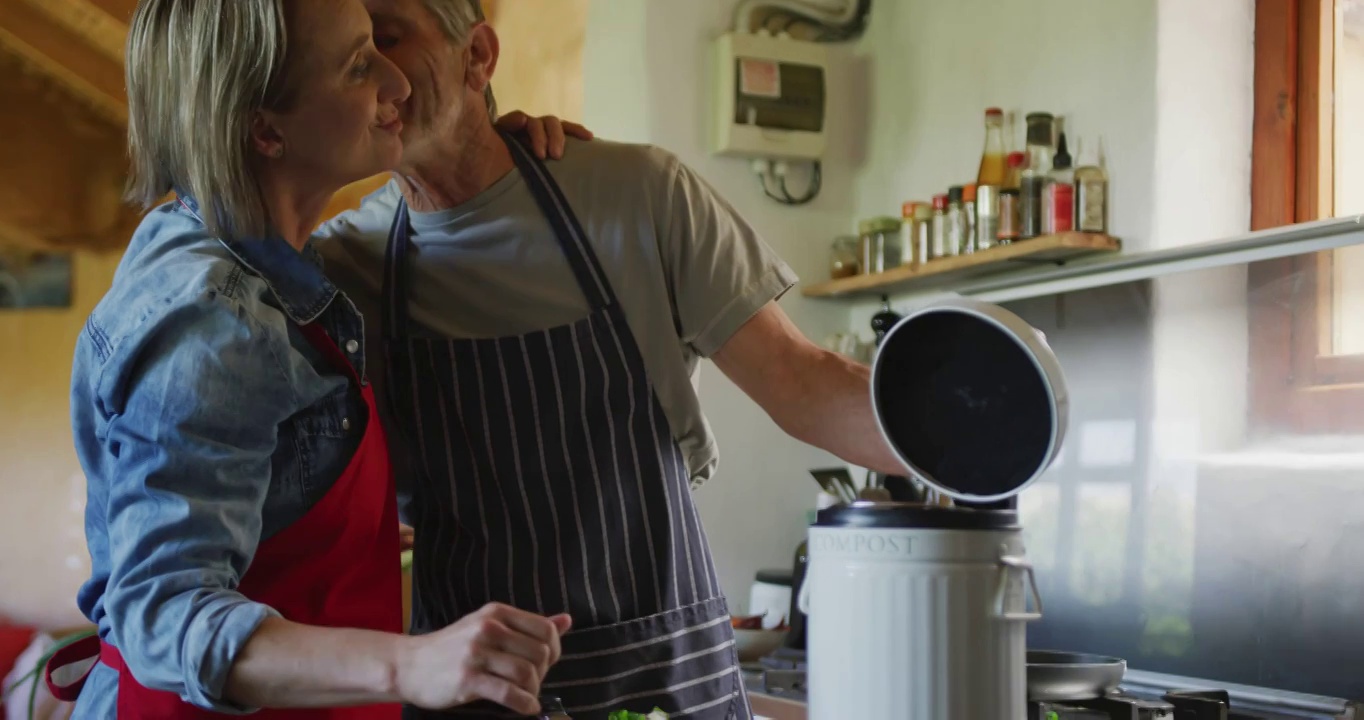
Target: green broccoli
<point>627,715</point>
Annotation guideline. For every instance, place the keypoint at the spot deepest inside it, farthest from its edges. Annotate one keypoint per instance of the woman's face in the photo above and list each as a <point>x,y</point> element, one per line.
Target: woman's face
<point>340,121</point>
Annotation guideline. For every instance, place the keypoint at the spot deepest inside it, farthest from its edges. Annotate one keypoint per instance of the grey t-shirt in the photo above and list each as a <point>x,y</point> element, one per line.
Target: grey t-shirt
<point>687,270</point>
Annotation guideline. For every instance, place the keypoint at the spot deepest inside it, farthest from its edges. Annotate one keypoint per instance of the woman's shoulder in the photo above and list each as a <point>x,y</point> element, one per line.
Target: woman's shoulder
<point>177,277</point>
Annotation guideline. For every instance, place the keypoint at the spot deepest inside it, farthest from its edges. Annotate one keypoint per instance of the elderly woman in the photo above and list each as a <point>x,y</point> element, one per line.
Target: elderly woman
<point>241,514</point>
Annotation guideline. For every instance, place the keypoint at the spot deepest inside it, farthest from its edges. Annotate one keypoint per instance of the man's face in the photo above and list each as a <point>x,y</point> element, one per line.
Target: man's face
<point>411,37</point>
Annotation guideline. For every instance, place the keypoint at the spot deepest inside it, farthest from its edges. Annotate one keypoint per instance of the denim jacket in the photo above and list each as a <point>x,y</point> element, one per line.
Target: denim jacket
<point>205,423</point>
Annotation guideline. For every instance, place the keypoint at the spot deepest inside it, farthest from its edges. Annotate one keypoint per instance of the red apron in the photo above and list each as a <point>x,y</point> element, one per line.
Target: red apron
<point>337,566</point>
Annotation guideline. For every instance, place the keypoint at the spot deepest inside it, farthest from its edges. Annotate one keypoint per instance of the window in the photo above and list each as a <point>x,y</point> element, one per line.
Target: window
<point>1307,313</point>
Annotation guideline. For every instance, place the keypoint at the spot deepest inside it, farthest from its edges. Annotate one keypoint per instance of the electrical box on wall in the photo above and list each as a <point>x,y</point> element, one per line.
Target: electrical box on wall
<point>770,97</point>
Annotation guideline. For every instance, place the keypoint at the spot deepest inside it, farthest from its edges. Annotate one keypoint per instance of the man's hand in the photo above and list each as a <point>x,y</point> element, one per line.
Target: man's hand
<point>547,134</point>
<point>499,654</point>
<point>407,537</point>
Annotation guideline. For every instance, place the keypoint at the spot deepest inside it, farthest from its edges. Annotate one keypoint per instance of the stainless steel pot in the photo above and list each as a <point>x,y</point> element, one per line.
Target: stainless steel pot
<point>1063,676</point>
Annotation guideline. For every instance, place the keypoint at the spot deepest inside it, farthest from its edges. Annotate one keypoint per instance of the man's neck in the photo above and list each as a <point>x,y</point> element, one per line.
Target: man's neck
<point>455,171</point>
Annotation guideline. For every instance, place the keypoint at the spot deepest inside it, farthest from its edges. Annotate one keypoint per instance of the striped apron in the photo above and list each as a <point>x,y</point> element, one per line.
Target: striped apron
<point>550,481</point>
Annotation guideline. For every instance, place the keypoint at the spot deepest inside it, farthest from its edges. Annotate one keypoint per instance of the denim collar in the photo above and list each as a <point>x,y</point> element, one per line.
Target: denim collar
<point>294,277</point>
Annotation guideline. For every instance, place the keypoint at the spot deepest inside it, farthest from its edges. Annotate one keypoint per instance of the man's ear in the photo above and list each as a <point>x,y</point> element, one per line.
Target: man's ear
<point>266,137</point>
<point>484,50</point>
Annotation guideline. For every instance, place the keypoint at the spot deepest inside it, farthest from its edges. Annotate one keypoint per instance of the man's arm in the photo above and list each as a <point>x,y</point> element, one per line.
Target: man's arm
<point>815,395</point>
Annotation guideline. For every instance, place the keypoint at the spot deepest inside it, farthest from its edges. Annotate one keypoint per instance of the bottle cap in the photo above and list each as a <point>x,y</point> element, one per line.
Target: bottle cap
<point>954,194</point>
<point>1017,160</point>
<point>994,112</point>
<point>939,202</point>
<point>968,192</point>
<point>1062,159</point>
<point>908,208</point>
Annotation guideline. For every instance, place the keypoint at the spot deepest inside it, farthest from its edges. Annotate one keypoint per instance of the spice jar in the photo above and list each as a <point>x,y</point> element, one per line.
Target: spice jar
<point>844,257</point>
<point>968,213</point>
<point>880,244</point>
<point>1008,217</point>
<point>923,235</point>
<point>937,236</point>
<point>956,222</point>
<point>914,218</point>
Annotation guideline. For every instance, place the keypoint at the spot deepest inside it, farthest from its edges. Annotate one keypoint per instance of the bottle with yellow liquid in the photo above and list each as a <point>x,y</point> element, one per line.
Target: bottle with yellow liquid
<point>994,166</point>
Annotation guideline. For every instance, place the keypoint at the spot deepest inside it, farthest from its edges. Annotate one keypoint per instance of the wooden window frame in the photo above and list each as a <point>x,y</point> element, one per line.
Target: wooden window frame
<point>1297,386</point>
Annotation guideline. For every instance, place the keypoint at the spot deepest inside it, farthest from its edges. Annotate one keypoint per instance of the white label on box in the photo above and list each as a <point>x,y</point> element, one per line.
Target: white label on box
<point>759,78</point>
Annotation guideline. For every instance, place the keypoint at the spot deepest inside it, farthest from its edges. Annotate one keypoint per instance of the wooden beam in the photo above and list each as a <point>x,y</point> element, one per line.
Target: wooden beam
<point>88,74</point>
<point>97,28</point>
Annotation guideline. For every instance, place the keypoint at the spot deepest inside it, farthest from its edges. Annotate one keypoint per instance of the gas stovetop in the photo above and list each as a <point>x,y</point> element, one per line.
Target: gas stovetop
<point>1215,705</point>
<point>782,675</point>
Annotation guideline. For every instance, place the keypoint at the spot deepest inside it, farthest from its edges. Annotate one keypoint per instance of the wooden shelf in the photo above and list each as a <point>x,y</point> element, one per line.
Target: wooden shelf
<point>1048,249</point>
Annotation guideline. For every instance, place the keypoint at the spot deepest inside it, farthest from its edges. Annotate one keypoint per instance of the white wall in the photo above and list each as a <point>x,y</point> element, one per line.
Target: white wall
<point>646,71</point>
<point>1166,83</point>
<point>936,66</point>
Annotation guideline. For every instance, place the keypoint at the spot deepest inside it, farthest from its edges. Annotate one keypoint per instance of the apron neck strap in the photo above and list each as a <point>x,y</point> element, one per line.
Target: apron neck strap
<point>569,232</point>
<point>396,272</point>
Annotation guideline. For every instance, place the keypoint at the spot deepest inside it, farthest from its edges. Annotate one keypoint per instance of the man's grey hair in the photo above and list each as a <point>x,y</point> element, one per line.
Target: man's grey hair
<point>457,18</point>
<point>197,72</point>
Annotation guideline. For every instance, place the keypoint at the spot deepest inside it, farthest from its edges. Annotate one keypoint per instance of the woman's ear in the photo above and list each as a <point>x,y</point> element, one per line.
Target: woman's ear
<point>266,137</point>
<point>484,50</point>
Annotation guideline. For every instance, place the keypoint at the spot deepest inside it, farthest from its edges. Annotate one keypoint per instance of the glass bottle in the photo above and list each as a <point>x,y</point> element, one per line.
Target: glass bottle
<point>1091,196</point>
<point>993,160</point>
<point>1016,161</point>
<point>1034,178</point>
<point>1058,214</point>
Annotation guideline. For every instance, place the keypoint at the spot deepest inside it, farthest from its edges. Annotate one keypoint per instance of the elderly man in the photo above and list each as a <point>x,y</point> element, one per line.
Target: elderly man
<point>543,326</point>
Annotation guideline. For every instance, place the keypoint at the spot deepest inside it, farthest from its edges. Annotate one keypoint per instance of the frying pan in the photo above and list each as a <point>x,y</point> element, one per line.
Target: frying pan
<point>1061,676</point>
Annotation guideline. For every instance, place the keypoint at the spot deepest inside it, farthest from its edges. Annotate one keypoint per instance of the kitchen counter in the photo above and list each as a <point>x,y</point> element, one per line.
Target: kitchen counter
<point>769,706</point>
<point>773,708</point>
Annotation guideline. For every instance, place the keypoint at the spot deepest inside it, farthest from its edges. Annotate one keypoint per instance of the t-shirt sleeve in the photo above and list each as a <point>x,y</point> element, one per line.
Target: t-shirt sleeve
<point>720,271</point>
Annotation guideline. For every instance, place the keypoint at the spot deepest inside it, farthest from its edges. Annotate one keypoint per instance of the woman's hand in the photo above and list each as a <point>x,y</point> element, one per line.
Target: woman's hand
<point>547,133</point>
<point>498,653</point>
<point>407,537</point>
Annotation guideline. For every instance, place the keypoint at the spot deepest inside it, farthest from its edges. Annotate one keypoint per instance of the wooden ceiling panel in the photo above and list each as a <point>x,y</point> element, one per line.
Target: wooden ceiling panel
<point>74,54</point>
<point>120,9</point>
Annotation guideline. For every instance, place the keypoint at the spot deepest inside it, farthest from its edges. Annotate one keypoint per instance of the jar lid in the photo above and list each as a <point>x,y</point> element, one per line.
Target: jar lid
<point>970,398</point>
<point>879,225</point>
<point>887,515</point>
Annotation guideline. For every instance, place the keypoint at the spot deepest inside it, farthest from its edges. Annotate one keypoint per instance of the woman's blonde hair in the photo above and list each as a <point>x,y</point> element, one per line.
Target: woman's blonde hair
<point>198,71</point>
